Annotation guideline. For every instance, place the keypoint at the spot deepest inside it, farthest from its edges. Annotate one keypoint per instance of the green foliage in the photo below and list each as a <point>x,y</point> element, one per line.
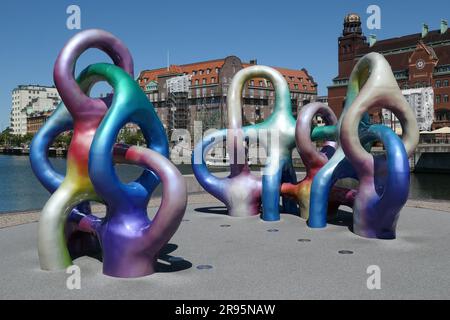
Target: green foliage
<point>10,140</point>
<point>26,139</point>
<point>7,139</point>
<point>130,137</point>
<point>63,140</point>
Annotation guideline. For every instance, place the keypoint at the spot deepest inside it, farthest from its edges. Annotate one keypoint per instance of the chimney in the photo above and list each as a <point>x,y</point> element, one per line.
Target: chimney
<point>253,61</point>
<point>444,26</point>
<point>372,40</point>
<point>424,30</point>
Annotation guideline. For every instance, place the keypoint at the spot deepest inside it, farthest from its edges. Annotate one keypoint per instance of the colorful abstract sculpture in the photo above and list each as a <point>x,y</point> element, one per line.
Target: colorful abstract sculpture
<point>61,120</point>
<point>383,180</point>
<point>314,160</point>
<point>130,241</point>
<point>242,192</point>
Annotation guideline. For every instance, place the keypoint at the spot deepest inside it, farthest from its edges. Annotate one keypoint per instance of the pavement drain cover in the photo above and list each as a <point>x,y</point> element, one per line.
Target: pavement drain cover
<point>204,267</point>
<point>272,230</point>
<point>304,240</point>
<point>345,252</point>
<point>175,259</point>
<point>225,225</point>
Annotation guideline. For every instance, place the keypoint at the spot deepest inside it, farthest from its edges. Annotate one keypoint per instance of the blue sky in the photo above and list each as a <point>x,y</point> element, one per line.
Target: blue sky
<point>293,34</point>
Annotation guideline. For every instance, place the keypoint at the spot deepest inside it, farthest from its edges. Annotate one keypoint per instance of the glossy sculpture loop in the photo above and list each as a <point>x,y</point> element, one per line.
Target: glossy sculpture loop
<point>61,121</point>
<point>129,241</point>
<point>384,179</point>
<point>241,191</point>
<point>314,160</point>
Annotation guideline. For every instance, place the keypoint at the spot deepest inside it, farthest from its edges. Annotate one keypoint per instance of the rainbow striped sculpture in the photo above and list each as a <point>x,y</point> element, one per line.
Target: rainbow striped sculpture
<point>129,240</point>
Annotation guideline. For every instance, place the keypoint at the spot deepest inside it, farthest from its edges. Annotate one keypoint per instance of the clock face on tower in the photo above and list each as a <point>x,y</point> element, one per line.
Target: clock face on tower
<point>420,64</point>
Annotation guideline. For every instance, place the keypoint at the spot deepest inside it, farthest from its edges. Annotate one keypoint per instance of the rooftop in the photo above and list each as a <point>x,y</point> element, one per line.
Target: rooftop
<point>208,70</point>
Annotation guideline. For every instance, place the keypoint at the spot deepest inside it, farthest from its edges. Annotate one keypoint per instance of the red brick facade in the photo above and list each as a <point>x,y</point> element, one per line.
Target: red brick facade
<point>417,60</point>
<point>208,91</point>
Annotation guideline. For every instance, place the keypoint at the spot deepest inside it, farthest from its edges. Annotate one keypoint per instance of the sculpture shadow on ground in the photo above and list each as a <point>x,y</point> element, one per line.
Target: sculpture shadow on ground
<point>343,218</point>
<point>222,210</point>
<point>169,263</point>
<point>166,262</point>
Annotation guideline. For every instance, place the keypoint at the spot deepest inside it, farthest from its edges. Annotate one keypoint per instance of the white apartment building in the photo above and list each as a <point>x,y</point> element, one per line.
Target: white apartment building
<point>421,101</point>
<point>27,99</point>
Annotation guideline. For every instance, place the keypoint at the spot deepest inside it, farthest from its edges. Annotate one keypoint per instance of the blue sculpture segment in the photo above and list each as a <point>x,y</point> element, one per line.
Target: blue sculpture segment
<point>129,241</point>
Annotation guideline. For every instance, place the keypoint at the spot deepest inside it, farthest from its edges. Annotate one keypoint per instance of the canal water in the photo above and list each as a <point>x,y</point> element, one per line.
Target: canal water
<point>21,191</point>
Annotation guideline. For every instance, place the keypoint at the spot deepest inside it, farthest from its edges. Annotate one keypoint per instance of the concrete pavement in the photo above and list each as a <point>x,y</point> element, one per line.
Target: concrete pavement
<point>249,262</point>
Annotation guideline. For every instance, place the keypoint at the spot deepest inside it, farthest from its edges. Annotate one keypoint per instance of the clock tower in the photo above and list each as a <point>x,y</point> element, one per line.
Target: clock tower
<point>421,65</point>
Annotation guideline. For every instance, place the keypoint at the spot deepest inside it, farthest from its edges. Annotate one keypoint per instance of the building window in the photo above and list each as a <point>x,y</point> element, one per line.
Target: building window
<point>445,83</point>
<point>196,82</point>
<point>194,72</point>
<point>260,83</point>
<point>204,81</point>
<point>301,80</point>
<point>296,86</point>
<point>208,71</point>
<point>438,83</point>
<point>217,70</point>
<point>445,98</point>
<point>201,71</point>
<point>252,83</point>
<point>213,80</point>
<point>438,98</point>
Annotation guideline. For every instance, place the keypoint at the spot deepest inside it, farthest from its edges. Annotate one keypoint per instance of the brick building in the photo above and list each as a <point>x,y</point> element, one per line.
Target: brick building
<point>420,60</point>
<point>205,98</point>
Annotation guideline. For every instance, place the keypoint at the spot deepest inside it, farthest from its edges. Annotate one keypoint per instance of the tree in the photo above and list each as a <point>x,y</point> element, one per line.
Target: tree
<point>5,137</point>
<point>129,137</point>
<point>13,140</point>
<point>26,139</point>
<point>63,140</point>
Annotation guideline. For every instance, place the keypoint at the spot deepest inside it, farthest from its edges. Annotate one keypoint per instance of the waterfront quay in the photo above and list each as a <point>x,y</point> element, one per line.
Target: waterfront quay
<point>19,151</point>
<point>432,156</point>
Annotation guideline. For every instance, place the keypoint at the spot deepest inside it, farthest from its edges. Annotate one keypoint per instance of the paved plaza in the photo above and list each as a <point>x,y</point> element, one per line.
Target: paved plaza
<point>213,256</point>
